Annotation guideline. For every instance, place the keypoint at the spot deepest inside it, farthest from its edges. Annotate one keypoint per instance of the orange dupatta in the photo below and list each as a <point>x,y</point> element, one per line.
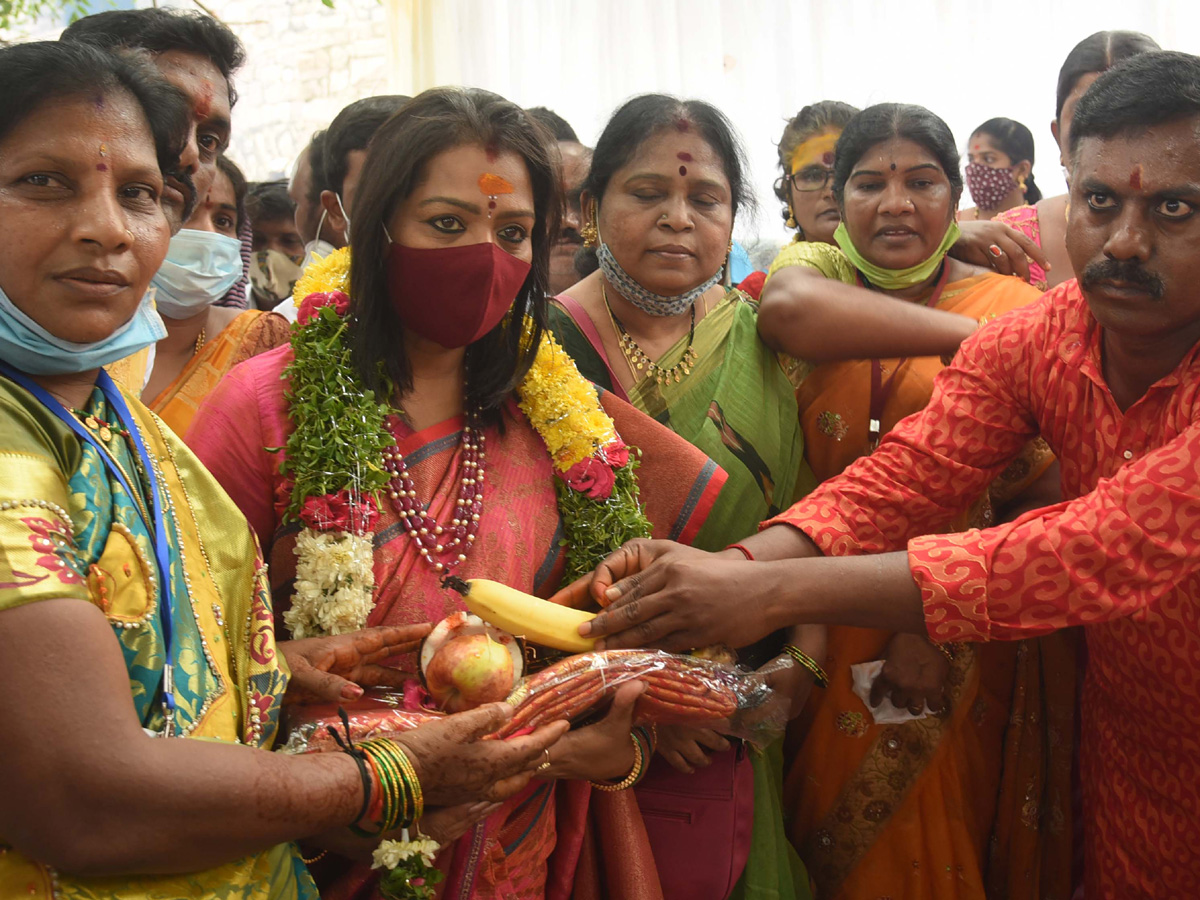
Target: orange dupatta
<point>910,810</point>
<point>251,333</point>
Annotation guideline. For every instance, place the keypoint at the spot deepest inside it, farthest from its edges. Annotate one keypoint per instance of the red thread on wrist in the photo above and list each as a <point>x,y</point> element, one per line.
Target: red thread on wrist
<point>746,553</point>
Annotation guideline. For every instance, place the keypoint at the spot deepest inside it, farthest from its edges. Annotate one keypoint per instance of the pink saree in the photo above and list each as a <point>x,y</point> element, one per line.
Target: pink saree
<point>532,847</point>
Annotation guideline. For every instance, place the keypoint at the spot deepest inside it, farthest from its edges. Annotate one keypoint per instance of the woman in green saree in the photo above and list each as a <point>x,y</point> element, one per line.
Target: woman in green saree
<point>142,680</point>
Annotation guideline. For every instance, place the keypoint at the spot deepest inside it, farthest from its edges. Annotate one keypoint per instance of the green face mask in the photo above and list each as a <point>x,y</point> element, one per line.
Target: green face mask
<point>896,279</point>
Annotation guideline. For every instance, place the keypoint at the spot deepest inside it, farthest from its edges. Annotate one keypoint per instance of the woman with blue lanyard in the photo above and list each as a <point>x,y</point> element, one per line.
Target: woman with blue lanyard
<point>141,677</point>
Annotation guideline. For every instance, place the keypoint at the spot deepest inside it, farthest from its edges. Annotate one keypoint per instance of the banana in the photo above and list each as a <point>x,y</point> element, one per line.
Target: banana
<point>524,615</point>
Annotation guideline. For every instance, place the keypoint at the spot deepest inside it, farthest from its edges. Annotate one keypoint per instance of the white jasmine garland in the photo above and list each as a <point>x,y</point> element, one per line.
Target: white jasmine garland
<point>390,854</point>
<point>335,583</point>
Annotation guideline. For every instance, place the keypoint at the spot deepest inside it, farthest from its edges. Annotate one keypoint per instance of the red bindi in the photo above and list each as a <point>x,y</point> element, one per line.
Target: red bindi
<point>101,167</point>
<point>490,152</point>
<point>1135,177</point>
<point>683,156</point>
<point>683,124</point>
<point>204,101</point>
<point>491,204</point>
<point>683,170</point>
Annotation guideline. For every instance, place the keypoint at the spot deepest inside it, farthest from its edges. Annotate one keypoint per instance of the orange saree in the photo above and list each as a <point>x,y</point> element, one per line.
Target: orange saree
<point>540,843</point>
<point>914,809</point>
<point>251,333</point>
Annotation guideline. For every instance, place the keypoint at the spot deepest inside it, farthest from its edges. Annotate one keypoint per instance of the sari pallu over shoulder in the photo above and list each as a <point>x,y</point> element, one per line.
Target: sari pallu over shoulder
<point>534,842</point>
<point>918,804</point>
<point>230,680</point>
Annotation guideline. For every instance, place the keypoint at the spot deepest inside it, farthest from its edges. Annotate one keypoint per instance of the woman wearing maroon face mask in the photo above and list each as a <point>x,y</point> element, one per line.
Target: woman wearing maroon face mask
<point>448,268</point>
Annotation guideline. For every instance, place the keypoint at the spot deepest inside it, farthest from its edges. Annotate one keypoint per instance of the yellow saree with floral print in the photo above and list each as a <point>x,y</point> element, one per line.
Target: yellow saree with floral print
<point>70,530</point>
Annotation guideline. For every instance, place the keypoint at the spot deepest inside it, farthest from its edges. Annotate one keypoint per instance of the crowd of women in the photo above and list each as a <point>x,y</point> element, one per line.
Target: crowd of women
<point>165,447</point>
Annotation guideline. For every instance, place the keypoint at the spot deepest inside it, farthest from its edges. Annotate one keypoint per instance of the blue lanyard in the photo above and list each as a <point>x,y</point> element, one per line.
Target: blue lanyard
<point>157,528</point>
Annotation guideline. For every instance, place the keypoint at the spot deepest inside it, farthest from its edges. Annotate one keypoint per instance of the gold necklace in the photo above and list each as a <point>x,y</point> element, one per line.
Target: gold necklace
<point>200,338</point>
<point>636,357</point>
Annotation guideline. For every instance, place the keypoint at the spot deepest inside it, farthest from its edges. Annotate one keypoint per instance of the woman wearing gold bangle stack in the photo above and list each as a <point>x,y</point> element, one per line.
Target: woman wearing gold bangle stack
<point>142,679</point>
<point>877,807</point>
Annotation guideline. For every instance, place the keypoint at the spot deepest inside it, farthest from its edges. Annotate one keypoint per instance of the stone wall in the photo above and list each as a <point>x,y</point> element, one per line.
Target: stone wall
<point>304,63</point>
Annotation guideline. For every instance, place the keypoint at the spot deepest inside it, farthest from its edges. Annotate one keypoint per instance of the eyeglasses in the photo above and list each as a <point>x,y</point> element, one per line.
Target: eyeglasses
<point>811,178</point>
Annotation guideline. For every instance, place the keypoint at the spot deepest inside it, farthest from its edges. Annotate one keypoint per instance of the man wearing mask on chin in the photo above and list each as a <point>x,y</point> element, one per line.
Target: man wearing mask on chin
<point>198,55</point>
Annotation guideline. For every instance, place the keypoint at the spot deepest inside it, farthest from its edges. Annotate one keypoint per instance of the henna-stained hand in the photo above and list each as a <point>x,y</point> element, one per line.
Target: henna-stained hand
<point>333,669</point>
<point>455,765</point>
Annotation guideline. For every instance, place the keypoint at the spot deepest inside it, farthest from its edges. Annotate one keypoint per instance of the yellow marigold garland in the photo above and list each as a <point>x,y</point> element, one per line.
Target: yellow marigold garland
<point>598,494</point>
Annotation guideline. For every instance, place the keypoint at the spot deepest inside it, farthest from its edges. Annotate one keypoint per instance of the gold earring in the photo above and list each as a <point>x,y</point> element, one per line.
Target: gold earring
<point>729,249</point>
<point>590,232</point>
<point>790,221</point>
<point>1021,183</point>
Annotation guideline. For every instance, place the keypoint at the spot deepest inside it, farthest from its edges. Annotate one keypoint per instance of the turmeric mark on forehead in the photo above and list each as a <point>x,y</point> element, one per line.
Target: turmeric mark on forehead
<point>1135,177</point>
<point>491,184</point>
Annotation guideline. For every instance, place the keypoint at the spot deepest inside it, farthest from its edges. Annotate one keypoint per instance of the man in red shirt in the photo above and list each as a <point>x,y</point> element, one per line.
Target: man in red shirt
<point>1107,370</point>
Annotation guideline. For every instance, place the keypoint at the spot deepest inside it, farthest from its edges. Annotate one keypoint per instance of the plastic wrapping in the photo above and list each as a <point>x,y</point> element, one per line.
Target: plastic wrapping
<point>378,713</point>
<point>680,690</point>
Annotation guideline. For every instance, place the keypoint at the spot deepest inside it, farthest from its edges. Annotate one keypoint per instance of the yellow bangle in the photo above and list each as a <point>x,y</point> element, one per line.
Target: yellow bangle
<point>635,774</point>
<point>818,674</point>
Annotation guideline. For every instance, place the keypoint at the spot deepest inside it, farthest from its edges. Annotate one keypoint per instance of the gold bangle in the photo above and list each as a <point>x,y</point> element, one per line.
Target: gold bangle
<point>308,862</point>
<point>635,774</point>
<point>947,650</point>
<point>814,668</point>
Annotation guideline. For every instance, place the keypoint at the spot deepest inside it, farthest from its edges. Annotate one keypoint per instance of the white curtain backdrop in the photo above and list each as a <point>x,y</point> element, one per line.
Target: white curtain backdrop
<point>762,60</point>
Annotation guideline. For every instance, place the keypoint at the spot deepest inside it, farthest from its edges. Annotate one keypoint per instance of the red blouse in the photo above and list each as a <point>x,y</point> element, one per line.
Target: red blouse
<point>1121,555</point>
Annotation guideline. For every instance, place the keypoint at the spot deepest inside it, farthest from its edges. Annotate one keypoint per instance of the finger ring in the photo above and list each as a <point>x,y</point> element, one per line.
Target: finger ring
<point>995,250</point>
<point>546,762</point>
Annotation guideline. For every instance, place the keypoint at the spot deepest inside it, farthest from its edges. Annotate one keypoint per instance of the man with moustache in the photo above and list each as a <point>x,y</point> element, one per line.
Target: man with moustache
<point>1107,371</point>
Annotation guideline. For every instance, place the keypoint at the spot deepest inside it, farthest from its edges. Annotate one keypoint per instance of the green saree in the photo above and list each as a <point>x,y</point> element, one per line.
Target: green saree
<point>739,408</point>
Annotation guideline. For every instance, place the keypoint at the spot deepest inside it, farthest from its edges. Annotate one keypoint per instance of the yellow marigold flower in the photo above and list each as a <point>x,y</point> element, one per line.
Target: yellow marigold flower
<point>324,273</point>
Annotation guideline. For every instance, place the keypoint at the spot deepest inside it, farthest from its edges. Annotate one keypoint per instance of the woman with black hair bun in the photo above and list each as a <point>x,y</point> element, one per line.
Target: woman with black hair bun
<point>999,171</point>
<point>1045,220</point>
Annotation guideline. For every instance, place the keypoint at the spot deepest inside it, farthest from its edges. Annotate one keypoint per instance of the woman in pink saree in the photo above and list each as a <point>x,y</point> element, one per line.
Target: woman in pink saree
<point>454,174</point>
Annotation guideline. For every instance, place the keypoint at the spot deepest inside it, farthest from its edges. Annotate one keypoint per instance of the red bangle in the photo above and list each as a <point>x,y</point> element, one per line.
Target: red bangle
<point>746,553</point>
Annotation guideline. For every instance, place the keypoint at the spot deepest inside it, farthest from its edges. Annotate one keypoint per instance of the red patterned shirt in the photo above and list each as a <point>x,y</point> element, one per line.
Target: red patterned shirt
<point>1120,555</point>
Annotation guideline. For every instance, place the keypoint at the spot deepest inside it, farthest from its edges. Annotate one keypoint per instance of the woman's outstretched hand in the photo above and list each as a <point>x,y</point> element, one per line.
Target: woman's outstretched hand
<point>981,240</point>
<point>666,596</point>
<point>335,669</point>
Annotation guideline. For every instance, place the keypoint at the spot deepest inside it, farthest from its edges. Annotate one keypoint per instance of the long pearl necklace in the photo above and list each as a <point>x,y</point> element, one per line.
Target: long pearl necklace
<point>442,548</point>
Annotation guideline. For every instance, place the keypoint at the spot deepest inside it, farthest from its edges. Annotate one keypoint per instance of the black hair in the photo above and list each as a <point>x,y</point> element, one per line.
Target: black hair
<point>161,31</point>
<point>269,201</point>
<point>434,122</point>
<point>558,127</point>
<point>316,165</point>
<point>1150,89</point>
<point>885,121</point>
<point>1097,53</point>
<point>811,120</point>
<point>351,129</point>
<point>38,72</point>
<point>639,119</point>
<point>1016,142</point>
<point>230,170</point>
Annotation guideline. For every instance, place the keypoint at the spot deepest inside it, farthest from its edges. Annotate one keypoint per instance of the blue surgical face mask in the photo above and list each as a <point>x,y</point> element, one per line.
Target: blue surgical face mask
<point>200,268</point>
<point>31,348</point>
